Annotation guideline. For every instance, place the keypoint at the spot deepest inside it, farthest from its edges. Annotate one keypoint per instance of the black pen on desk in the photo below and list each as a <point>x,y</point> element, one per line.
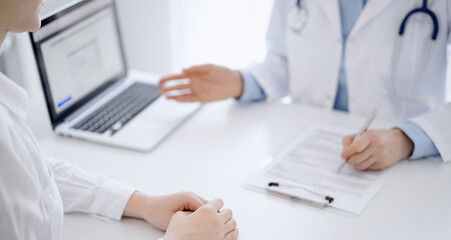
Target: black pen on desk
<point>363,129</point>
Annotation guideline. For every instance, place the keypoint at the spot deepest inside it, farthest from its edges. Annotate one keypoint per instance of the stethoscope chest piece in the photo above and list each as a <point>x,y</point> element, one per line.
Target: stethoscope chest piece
<point>297,18</point>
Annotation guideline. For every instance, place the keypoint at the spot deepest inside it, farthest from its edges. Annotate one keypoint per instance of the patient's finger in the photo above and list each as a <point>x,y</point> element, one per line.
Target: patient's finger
<point>171,78</point>
<point>176,87</point>
<point>184,98</point>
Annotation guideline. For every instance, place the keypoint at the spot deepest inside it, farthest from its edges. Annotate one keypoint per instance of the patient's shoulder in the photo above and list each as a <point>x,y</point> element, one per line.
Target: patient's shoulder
<point>9,124</point>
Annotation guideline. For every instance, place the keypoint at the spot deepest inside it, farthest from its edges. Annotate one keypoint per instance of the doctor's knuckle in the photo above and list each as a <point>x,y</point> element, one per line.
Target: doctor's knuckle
<point>358,147</point>
<point>378,166</point>
<point>353,160</point>
<point>346,140</point>
<point>378,143</point>
<point>381,165</point>
<point>370,134</point>
<point>360,167</point>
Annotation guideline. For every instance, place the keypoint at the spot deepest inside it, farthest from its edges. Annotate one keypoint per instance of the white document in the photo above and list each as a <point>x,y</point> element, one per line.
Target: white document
<point>311,161</point>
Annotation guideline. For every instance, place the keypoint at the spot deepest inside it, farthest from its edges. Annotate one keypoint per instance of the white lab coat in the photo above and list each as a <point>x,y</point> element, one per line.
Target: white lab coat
<point>35,190</point>
<point>305,64</point>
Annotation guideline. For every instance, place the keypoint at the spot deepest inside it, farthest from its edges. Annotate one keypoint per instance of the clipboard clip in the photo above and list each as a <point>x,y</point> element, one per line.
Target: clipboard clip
<point>272,185</point>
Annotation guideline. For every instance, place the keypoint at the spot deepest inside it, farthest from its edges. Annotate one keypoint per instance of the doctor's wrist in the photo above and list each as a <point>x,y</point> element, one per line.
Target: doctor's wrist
<point>237,84</point>
<point>405,144</point>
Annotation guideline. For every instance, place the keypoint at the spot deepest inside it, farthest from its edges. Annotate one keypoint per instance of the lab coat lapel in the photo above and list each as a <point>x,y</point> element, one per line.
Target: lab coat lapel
<point>371,10</point>
<point>332,11</point>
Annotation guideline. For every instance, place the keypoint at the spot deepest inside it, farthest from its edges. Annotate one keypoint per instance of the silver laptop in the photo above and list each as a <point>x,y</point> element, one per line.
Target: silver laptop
<point>89,91</point>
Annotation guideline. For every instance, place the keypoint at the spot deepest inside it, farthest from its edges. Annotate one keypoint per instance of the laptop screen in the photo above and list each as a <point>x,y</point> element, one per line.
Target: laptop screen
<point>79,54</point>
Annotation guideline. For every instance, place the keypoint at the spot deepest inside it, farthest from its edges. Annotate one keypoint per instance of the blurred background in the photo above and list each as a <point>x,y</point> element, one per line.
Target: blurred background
<point>163,36</point>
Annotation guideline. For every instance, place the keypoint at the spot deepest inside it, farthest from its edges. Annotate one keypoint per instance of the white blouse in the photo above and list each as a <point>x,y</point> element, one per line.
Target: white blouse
<point>35,190</point>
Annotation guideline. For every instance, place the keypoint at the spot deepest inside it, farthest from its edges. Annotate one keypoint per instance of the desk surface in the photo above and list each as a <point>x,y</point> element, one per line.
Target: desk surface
<point>215,151</point>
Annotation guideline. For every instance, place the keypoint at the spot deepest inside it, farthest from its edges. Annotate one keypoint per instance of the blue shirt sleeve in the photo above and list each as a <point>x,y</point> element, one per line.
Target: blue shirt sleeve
<point>422,143</point>
<point>252,92</point>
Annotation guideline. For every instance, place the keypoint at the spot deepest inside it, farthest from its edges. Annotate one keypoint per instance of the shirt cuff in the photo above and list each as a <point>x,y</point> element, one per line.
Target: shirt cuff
<point>252,91</point>
<point>422,144</point>
<point>114,196</point>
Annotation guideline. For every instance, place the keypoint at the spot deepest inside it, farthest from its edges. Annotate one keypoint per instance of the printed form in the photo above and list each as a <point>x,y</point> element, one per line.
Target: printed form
<point>308,166</point>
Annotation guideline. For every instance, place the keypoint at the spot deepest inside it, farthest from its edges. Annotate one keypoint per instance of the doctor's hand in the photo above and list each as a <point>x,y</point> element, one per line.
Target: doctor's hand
<point>158,210</point>
<point>207,223</point>
<point>207,83</point>
<point>377,149</point>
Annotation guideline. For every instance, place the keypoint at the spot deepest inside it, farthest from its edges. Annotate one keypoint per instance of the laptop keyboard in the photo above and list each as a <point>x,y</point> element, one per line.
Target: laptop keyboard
<point>113,115</point>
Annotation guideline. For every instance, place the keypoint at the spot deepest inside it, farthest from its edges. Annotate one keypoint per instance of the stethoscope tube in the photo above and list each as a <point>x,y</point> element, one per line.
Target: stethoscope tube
<point>427,11</point>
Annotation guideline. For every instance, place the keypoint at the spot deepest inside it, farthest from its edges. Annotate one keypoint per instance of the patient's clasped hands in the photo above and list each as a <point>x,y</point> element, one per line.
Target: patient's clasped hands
<point>184,216</point>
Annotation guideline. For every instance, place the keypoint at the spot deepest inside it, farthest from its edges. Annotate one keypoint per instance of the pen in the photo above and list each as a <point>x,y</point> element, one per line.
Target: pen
<point>364,127</point>
<point>271,185</point>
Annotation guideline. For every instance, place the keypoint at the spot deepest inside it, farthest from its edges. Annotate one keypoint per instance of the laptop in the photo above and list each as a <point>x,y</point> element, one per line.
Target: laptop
<point>89,91</point>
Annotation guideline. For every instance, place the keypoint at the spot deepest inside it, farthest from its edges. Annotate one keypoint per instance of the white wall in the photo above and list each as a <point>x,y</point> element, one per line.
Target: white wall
<point>145,28</point>
<point>230,33</point>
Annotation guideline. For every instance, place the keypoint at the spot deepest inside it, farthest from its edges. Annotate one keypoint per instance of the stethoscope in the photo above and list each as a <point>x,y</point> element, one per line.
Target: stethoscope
<point>395,56</point>
<point>298,17</point>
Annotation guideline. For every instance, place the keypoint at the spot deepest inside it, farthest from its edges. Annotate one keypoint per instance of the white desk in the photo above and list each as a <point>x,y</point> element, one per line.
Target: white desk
<point>216,149</point>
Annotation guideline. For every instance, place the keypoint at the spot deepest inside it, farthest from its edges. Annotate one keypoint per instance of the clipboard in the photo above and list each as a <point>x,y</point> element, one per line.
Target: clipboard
<point>305,170</point>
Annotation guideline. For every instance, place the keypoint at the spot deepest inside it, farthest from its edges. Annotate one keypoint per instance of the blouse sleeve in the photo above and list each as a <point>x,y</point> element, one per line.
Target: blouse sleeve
<point>89,193</point>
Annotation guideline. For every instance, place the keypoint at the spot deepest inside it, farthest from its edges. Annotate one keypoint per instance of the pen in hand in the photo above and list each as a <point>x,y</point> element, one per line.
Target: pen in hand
<point>364,127</point>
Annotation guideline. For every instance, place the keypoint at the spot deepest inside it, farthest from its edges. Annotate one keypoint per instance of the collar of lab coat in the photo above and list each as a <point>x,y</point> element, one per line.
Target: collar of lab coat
<point>13,97</point>
<point>371,10</point>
